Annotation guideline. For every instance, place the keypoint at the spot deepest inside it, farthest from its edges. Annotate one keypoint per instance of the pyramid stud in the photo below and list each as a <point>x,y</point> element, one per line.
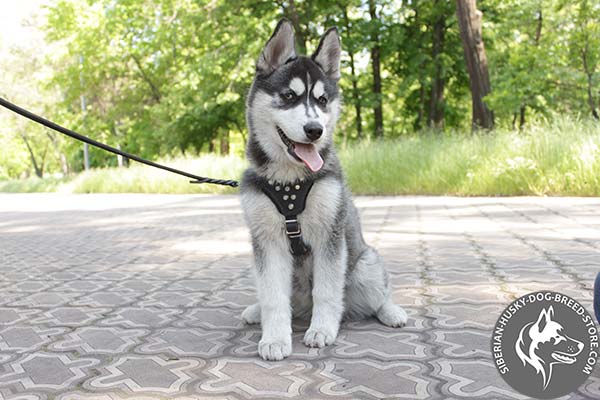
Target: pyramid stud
<point>287,188</point>
<point>297,187</point>
<point>291,206</point>
<point>277,188</point>
<point>286,197</point>
<point>293,197</point>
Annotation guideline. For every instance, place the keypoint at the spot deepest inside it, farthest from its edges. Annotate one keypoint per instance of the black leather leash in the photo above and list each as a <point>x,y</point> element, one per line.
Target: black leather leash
<point>54,126</point>
<point>290,200</point>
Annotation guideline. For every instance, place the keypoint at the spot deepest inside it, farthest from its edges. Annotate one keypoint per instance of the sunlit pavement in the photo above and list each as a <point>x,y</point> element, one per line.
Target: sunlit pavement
<point>139,296</point>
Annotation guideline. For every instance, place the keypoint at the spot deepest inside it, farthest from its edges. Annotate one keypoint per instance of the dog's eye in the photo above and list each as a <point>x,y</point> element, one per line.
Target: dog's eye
<point>288,96</point>
<point>322,100</point>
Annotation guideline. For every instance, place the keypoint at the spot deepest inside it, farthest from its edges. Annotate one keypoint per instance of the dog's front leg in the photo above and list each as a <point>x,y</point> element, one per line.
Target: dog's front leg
<point>328,294</point>
<point>274,283</point>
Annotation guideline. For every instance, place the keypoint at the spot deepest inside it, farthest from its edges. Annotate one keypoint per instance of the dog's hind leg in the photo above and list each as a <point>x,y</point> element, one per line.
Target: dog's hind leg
<point>368,292</point>
<point>251,315</point>
<point>391,314</point>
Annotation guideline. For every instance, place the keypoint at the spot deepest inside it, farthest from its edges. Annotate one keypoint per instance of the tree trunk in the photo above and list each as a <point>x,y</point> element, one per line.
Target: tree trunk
<point>538,28</point>
<point>522,116</point>
<point>299,32</point>
<point>64,163</point>
<point>422,105</point>
<point>356,97</point>
<point>224,143</point>
<point>156,95</point>
<point>121,161</point>
<point>39,169</point>
<point>589,75</point>
<point>469,21</point>
<point>375,63</point>
<point>435,118</point>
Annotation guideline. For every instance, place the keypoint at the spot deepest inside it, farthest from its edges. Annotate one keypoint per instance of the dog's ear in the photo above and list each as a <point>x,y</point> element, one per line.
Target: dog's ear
<point>328,53</point>
<point>278,49</point>
<point>544,318</point>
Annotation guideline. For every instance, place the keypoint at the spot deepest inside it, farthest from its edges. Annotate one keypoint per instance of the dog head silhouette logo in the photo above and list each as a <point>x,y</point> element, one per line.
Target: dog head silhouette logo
<point>544,343</point>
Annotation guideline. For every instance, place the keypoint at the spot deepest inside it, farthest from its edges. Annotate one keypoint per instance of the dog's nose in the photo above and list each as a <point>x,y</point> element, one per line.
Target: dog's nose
<point>313,130</point>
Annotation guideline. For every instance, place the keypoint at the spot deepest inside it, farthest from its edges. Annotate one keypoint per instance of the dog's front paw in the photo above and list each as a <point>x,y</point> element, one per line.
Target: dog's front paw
<point>274,350</point>
<point>319,337</point>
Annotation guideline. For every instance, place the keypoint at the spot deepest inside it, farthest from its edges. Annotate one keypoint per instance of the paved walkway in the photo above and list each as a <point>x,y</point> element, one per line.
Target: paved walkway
<point>136,296</point>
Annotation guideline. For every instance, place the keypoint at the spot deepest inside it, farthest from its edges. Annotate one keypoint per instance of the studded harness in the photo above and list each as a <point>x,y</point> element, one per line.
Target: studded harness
<point>290,200</point>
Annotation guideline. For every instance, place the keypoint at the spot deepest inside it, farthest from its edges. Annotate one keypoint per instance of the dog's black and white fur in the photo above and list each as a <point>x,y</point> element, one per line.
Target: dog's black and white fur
<point>294,104</point>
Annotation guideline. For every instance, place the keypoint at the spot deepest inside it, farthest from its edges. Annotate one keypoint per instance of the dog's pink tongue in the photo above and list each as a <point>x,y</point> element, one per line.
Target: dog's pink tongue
<point>311,157</point>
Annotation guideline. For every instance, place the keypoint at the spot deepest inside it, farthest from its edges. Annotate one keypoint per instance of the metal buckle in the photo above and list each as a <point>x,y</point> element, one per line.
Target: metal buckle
<point>292,227</point>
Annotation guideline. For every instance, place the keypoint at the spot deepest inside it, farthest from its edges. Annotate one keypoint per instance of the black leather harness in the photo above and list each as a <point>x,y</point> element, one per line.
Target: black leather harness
<point>290,200</point>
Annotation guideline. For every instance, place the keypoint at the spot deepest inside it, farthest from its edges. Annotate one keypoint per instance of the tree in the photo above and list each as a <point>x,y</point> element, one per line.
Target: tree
<point>352,46</point>
<point>585,43</point>
<point>376,68</point>
<point>469,20</point>
<point>435,117</point>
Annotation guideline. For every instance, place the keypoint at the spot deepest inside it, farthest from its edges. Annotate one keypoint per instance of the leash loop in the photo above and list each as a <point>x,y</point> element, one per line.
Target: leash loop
<point>68,132</point>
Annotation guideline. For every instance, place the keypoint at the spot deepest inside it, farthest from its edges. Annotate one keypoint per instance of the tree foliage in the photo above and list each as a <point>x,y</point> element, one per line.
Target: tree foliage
<point>169,77</point>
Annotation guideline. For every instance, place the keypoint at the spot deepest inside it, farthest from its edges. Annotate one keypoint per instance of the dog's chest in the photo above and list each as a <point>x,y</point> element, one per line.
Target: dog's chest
<point>322,207</point>
<point>316,220</point>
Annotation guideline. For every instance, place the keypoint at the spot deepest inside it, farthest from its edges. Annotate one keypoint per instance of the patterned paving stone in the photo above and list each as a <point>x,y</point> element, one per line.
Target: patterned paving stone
<point>470,379</point>
<point>216,318</point>
<point>96,340</point>
<point>256,379</point>
<point>140,374</point>
<point>108,299</point>
<point>136,317</point>
<point>26,338</point>
<point>380,345</point>
<point>45,299</point>
<point>358,378</point>
<point>14,315</point>
<point>70,316</point>
<point>46,371</point>
<point>187,342</point>
<point>458,316</point>
<point>114,297</point>
<point>463,343</point>
<point>169,299</point>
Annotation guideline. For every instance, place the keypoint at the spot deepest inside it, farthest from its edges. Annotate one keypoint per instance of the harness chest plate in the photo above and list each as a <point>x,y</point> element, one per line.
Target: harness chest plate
<point>290,200</point>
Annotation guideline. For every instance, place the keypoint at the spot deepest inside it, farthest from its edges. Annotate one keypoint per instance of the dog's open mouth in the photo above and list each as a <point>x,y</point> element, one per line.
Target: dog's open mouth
<point>563,358</point>
<point>303,152</point>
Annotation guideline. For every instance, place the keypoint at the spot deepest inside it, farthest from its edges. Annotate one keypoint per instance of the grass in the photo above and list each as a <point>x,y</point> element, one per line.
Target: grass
<point>560,158</point>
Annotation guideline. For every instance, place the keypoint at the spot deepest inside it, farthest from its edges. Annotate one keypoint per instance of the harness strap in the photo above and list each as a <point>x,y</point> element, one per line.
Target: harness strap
<point>294,233</point>
<point>290,200</point>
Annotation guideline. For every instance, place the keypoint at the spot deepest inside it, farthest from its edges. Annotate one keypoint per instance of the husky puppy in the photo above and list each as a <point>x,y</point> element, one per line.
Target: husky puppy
<point>292,109</point>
